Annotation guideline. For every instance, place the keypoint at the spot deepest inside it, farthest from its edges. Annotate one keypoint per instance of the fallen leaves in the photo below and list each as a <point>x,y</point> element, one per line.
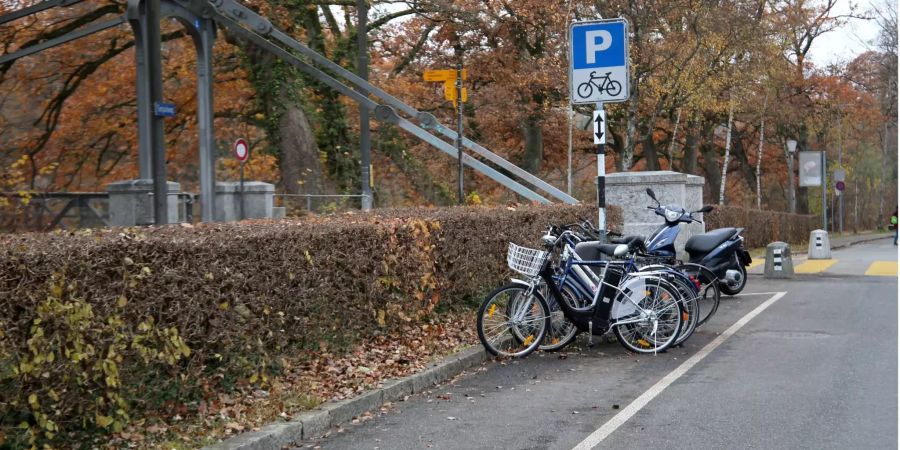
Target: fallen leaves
<point>326,376</point>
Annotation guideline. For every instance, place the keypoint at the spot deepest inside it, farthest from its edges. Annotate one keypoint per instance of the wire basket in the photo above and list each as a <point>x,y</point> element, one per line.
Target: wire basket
<point>524,260</point>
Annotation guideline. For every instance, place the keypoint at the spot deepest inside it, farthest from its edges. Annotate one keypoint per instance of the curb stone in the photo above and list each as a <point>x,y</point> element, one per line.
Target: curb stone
<point>317,422</point>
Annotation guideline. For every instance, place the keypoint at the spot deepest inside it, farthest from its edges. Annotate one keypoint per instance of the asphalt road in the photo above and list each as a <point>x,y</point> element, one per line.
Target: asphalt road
<point>817,368</point>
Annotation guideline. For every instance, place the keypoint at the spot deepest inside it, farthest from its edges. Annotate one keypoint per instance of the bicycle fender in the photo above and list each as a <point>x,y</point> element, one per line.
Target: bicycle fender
<point>520,282</point>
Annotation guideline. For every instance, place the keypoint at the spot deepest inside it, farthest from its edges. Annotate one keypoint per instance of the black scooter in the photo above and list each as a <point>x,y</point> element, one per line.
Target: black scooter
<point>721,250</point>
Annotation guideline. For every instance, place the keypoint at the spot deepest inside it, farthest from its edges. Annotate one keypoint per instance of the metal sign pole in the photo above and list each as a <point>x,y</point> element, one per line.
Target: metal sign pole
<point>242,190</point>
<point>824,194</point>
<point>600,140</point>
<point>459,132</point>
<point>157,132</point>
<point>365,139</point>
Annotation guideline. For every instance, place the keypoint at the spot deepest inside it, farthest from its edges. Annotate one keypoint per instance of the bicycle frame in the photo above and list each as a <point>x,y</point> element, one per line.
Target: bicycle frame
<point>599,311</point>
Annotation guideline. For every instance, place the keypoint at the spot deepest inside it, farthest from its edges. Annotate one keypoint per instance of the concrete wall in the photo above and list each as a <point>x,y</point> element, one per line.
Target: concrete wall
<point>258,198</point>
<point>131,203</point>
<point>627,190</point>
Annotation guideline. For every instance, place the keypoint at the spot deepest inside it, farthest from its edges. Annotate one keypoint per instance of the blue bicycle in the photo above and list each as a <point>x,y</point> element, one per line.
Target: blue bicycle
<point>643,309</point>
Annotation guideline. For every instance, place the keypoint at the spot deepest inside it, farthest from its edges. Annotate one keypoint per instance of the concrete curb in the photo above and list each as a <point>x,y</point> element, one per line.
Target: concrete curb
<point>317,422</point>
<point>867,238</point>
<point>848,243</point>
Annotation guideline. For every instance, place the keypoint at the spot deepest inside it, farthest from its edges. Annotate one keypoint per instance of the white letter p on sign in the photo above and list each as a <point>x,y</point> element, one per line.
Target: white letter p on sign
<point>593,46</point>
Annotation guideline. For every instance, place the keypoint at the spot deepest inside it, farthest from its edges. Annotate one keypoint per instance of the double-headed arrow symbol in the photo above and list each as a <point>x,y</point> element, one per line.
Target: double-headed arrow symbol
<point>599,127</point>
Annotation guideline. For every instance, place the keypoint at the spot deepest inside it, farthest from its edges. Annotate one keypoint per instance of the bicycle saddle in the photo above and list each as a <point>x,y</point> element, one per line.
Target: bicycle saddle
<point>635,242</point>
<point>595,251</point>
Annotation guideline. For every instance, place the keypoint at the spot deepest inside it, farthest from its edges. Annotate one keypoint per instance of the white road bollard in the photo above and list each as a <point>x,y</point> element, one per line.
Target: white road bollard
<point>819,245</point>
<point>778,261</point>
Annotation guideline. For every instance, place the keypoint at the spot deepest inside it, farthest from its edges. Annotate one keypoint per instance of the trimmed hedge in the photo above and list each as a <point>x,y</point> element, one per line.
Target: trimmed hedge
<point>763,227</point>
<point>98,327</point>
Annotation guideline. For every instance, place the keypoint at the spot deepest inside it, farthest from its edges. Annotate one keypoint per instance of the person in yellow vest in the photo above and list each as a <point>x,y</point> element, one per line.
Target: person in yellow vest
<point>894,225</point>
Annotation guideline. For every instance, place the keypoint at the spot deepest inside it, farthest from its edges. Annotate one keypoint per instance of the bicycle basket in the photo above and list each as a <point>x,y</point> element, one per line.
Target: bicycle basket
<point>526,261</point>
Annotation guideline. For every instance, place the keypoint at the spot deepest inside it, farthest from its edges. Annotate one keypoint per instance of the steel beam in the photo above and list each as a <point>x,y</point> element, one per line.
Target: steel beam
<point>50,43</point>
<point>34,9</point>
<point>381,113</point>
<point>241,14</point>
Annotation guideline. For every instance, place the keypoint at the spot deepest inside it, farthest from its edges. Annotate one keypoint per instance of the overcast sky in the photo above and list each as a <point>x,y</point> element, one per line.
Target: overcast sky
<point>847,42</point>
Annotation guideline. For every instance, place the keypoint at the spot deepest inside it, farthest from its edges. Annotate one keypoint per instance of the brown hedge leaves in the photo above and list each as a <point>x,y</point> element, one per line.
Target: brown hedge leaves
<point>134,322</point>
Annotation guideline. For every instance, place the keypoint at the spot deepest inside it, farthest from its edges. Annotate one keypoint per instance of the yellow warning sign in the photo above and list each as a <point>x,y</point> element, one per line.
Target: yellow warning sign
<point>443,75</point>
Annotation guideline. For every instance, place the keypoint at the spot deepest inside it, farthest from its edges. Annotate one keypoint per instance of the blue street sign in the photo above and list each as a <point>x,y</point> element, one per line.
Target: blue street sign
<point>598,71</point>
<point>161,109</point>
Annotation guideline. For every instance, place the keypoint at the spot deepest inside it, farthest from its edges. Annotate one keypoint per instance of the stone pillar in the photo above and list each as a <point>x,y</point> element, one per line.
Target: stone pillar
<point>258,197</point>
<point>628,191</point>
<point>131,202</point>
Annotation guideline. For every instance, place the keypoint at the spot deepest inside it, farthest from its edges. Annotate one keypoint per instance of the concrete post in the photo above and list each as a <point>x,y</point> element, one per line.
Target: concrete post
<point>258,199</point>
<point>819,245</point>
<point>131,202</point>
<point>778,261</point>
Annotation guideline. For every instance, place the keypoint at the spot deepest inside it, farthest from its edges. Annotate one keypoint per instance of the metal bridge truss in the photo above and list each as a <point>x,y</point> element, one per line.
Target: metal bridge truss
<point>200,18</point>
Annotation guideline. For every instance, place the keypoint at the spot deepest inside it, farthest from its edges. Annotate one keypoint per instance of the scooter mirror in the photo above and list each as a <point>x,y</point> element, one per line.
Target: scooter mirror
<point>705,209</point>
<point>651,194</point>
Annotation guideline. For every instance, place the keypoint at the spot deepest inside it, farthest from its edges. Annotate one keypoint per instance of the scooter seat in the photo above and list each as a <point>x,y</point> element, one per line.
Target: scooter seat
<point>706,242</point>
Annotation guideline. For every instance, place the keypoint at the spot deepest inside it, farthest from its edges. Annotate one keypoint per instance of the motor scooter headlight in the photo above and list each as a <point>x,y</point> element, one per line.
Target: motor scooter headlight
<point>672,216</point>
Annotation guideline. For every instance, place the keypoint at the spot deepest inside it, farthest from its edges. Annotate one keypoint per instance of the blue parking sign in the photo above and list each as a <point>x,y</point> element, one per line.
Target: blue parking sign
<point>598,58</point>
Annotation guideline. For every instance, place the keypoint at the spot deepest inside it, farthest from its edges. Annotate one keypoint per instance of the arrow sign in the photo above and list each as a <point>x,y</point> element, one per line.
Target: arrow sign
<point>600,127</point>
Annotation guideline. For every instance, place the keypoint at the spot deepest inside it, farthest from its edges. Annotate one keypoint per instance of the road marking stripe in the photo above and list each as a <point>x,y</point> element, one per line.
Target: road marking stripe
<point>757,262</point>
<point>815,265</point>
<point>883,268</point>
<point>601,433</point>
<point>744,294</point>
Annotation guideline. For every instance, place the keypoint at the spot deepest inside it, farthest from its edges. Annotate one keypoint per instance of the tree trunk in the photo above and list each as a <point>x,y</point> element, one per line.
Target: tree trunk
<point>671,152</point>
<point>723,182</point>
<point>691,146</point>
<point>301,167</point>
<point>739,153</point>
<point>534,144</point>
<point>649,147</point>
<point>710,165</point>
<point>631,127</point>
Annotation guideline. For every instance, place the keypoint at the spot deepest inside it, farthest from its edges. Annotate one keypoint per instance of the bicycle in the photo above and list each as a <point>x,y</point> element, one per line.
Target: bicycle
<point>705,280</point>
<point>611,87</point>
<point>643,310</point>
<point>689,288</point>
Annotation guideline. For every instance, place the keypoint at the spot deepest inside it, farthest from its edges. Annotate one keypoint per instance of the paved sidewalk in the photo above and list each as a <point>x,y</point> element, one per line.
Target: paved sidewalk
<point>850,239</point>
<point>799,252</point>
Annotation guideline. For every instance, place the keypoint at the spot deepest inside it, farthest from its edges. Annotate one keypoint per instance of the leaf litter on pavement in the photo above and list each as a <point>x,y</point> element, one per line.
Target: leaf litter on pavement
<point>303,385</point>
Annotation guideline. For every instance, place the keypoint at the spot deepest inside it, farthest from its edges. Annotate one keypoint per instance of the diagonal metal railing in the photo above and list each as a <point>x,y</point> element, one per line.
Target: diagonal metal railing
<point>256,28</point>
<point>259,31</point>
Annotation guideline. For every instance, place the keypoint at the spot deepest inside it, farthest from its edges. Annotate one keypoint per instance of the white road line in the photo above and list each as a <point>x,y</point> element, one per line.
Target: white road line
<point>601,433</point>
<point>744,294</point>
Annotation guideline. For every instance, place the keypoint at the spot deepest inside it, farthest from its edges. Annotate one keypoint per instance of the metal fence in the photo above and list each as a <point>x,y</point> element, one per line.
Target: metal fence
<point>44,211</point>
<point>318,203</point>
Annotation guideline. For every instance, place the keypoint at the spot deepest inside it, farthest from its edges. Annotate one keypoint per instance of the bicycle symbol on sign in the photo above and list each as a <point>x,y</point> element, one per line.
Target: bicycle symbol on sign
<point>611,87</point>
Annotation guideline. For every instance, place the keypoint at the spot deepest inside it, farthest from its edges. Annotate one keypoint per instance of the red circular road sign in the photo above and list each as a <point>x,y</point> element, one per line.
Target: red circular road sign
<point>241,150</point>
<point>839,185</point>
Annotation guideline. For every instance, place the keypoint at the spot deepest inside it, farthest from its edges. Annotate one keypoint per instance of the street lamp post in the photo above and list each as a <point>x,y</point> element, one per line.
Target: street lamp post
<point>791,149</point>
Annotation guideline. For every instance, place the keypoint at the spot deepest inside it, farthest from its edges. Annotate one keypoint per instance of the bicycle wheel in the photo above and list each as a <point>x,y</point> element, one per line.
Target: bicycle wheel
<point>690,318</point>
<point>585,89</point>
<point>613,88</point>
<point>710,295</point>
<point>508,314</point>
<point>647,315</point>
<point>561,332</point>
